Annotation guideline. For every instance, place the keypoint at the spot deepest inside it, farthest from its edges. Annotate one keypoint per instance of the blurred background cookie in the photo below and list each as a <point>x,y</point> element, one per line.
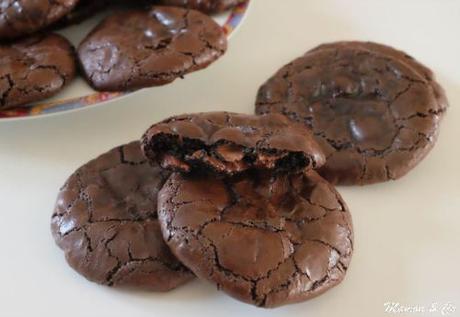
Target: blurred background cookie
<point>34,68</point>
<point>143,48</point>
<point>22,17</point>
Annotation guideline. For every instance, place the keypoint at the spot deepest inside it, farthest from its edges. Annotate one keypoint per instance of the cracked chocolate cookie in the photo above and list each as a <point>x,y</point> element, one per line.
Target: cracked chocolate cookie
<point>106,222</point>
<point>34,68</point>
<point>136,48</point>
<point>22,17</point>
<point>207,6</point>
<point>374,110</point>
<point>229,143</point>
<point>264,239</point>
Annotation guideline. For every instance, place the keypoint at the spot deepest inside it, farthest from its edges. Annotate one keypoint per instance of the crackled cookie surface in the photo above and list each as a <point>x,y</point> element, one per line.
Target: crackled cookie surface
<point>374,110</point>
<point>265,240</point>
<point>105,220</point>
<point>21,17</point>
<point>136,48</point>
<point>230,143</point>
<point>208,6</point>
<point>34,69</point>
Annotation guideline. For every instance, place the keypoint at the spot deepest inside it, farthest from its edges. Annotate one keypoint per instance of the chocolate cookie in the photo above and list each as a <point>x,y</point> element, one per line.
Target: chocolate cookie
<point>34,69</point>
<point>136,48</point>
<point>230,143</point>
<point>105,220</point>
<point>265,240</point>
<point>21,17</point>
<point>207,6</point>
<point>374,110</point>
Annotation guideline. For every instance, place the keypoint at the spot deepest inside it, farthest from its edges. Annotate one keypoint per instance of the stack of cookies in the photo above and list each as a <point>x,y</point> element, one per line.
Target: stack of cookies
<point>231,198</point>
<point>132,48</point>
<point>247,202</point>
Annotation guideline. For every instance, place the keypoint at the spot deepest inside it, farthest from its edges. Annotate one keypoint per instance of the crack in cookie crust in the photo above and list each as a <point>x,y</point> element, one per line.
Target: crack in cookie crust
<point>106,222</point>
<point>374,110</point>
<point>266,240</point>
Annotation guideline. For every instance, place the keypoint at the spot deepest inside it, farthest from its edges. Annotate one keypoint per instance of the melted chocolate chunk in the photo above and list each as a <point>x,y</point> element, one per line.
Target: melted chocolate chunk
<point>229,143</point>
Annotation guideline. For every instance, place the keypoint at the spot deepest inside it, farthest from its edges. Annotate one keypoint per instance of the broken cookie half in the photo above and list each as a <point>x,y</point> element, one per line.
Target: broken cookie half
<point>226,143</point>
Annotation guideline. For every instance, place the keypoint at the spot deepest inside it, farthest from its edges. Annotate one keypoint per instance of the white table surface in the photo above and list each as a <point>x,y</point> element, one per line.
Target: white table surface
<point>407,232</point>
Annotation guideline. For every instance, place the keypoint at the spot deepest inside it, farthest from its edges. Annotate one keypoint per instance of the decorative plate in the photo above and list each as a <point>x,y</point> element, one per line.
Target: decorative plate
<point>79,94</point>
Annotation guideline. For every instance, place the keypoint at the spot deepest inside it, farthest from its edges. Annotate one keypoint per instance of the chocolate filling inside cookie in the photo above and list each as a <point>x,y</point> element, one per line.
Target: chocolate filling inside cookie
<point>230,143</point>
<point>189,154</point>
